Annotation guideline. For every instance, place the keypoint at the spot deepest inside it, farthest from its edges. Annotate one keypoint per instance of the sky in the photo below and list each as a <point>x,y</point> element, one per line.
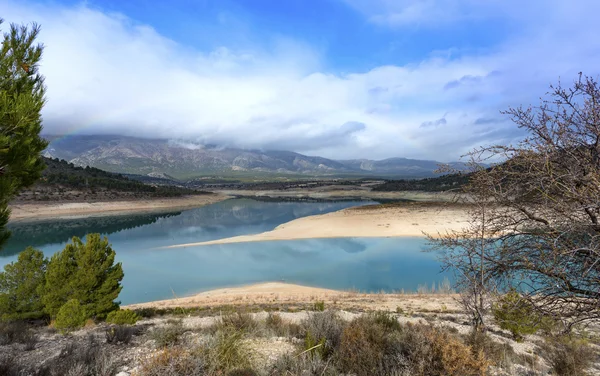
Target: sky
<point>343,79</point>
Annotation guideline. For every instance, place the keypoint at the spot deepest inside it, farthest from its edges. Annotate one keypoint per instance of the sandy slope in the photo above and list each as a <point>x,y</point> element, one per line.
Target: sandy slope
<point>35,211</point>
<point>404,220</point>
<point>278,293</point>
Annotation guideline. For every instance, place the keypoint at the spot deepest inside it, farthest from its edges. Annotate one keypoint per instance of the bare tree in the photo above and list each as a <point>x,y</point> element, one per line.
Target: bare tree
<point>466,252</point>
<point>543,207</point>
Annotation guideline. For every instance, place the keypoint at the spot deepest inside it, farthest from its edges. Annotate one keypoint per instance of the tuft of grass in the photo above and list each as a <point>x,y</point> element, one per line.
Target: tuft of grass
<point>226,351</point>
<point>237,321</point>
<point>281,328</point>
<point>319,306</point>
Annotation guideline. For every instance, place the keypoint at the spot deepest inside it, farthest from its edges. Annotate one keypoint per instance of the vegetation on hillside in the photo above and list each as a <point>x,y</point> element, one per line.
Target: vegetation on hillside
<point>59,174</point>
<point>438,184</point>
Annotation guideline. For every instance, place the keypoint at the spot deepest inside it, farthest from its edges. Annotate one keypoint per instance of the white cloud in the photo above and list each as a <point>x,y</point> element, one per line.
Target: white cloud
<point>108,74</point>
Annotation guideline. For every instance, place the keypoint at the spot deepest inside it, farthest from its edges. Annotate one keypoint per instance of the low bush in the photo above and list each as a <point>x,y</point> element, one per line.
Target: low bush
<point>363,347</point>
<point>500,354</point>
<point>569,356</point>
<point>516,315</point>
<point>17,332</point>
<point>167,335</point>
<point>120,334</point>
<point>376,345</point>
<point>173,361</point>
<point>326,327</point>
<point>282,328</point>
<point>302,365</point>
<point>238,321</point>
<point>71,316</point>
<point>122,317</point>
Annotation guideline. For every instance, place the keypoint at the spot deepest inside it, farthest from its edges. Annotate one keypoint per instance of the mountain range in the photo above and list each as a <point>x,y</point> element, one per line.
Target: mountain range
<point>183,160</point>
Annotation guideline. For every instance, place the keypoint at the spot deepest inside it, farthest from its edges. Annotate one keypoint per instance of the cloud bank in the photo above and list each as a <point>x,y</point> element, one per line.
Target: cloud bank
<point>108,74</point>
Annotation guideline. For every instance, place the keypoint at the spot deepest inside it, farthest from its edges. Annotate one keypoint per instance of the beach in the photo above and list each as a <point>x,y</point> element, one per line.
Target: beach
<point>27,212</point>
<point>410,219</point>
<point>291,295</point>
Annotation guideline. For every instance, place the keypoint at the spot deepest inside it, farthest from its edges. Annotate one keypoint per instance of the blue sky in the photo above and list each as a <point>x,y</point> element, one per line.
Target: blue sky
<point>337,78</point>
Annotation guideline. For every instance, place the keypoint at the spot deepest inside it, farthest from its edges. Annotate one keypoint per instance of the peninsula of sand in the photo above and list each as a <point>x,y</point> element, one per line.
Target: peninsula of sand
<point>26,212</point>
<point>397,220</point>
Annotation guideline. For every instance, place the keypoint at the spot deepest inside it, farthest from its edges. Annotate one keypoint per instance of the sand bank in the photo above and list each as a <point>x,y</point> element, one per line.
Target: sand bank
<point>37,211</point>
<point>289,295</point>
<point>376,221</point>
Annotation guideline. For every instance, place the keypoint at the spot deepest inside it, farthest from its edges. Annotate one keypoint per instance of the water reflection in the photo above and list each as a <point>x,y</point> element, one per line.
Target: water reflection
<point>367,264</point>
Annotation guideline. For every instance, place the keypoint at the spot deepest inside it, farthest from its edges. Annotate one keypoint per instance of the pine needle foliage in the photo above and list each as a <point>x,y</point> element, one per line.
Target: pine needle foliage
<point>22,96</point>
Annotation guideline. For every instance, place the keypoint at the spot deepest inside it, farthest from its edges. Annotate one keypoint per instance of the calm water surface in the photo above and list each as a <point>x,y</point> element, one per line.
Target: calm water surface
<point>368,264</point>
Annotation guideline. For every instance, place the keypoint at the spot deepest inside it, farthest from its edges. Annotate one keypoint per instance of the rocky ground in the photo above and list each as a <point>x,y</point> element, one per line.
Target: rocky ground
<point>268,338</point>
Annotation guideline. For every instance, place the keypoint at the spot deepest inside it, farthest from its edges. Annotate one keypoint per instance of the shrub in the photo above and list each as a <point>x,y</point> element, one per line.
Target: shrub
<point>362,348</point>
<point>173,361</point>
<point>120,334</point>
<point>323,326</point>
<point>375,345</point>
<point>452,357</point>
<point>319,306</point>
<point>71,316</point>
<point>122,317</point>
<point>302,365</point>
<point>568,356</point>
<point>516,315</point>
<point>167,335</point>
<point>500,354</point>
<point>17,332</point>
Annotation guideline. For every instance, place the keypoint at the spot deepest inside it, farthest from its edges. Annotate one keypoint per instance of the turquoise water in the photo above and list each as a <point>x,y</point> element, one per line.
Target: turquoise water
<point>151,273</point>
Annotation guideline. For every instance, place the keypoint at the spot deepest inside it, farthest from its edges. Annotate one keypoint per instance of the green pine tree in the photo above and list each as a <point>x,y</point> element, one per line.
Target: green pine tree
<point>21,286</point>
<point>21,100</point>
<point>86,272</point>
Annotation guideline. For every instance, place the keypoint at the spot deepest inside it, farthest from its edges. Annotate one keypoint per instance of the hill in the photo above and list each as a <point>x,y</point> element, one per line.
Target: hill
<point>167,159</point>
<point>62,180</point>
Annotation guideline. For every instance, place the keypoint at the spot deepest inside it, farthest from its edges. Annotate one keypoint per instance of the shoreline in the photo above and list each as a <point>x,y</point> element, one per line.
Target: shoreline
<point>289,294</point>
<point>34,212</point>
<point>410,220</point>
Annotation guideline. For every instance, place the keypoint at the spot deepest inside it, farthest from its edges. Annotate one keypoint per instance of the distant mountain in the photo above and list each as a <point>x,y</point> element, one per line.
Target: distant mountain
<point>168,159</point>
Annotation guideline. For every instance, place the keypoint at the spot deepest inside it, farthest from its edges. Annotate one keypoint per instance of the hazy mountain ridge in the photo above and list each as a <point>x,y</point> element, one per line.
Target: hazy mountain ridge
<point>162,158</point>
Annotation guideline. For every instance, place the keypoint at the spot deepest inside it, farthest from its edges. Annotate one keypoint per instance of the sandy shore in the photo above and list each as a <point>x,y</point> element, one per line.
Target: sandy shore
<point>289,295</point>
<point>376,221</point>
<point>38,211</point>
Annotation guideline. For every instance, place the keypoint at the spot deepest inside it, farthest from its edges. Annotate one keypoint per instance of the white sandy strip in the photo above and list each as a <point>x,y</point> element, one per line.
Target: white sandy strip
<point>286,293</point>
<point>32,212</point>
<point>384,222</point>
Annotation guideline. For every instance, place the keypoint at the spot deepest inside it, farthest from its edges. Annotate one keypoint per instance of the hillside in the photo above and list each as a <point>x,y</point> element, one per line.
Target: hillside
<point>166,159</point>
<point>437,184</point>
<point>62,180</point>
